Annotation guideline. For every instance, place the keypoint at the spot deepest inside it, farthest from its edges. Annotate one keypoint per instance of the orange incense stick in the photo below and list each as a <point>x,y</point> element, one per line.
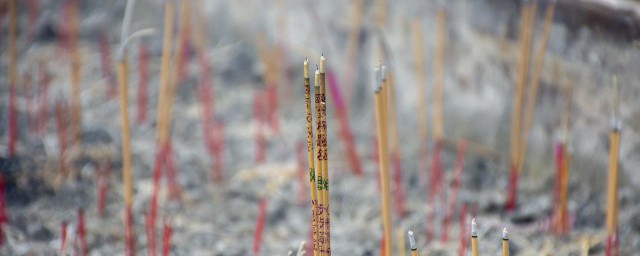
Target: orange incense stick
<point>383,149</point>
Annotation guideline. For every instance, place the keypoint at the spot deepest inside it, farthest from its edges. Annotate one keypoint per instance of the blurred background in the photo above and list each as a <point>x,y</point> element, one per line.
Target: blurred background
<point>237,131</point>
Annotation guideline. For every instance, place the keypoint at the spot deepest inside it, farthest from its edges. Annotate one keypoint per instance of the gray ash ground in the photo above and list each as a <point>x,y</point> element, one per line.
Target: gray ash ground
<point>219,219</point>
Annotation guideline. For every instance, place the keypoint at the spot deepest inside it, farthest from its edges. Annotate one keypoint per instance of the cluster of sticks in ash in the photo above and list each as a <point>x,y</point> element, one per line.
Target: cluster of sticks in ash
<point>318,159</point>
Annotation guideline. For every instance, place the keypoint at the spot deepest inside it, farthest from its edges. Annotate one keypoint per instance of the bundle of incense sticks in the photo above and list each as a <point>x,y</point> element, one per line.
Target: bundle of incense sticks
<point>318,160</point>
<point>13,78</point>
<point>380,100</point>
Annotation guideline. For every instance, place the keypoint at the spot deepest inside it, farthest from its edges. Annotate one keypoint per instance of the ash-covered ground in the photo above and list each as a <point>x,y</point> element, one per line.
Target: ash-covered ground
<point>585,50</point>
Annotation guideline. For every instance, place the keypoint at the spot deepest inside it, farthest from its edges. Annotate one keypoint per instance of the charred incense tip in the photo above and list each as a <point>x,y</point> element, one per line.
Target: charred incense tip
<point>505,234</point>
<point>474,228</point>
<point>412,240</point>
<point>322,60</point>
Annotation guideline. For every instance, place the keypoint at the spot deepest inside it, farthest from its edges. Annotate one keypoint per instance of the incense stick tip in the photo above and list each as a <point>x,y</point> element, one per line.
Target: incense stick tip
<point>474,228</point>
<point>412,240</point>
<point>505,234</point>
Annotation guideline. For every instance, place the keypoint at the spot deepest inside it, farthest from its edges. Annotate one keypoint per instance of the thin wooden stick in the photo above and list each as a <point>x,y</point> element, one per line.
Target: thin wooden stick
<point>421,79</point>
<point>310,154</point>
<point>13,77</point>
<point>76,65</point>
<point>383,149</point>
<point>325,156</point>
<point>320,213</point>
<point>401,242</point>
<point>612,188</point>
<point>474,238</point>
<point>127,177</point>
<point>505,242</point>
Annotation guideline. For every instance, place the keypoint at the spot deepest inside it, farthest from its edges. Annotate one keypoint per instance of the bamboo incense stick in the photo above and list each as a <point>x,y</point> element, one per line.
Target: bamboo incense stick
<point>474,238</point>
<point>325,155</point>
<point>321,210</point>
<point>13,77</point>
<point>505,242</point>
<point>380,103</point>
<point>76,108</point>
<point>412,244</point>
<point>535,83</point>
<point>310,154</point>
<point>127,177</point>
<point>612,188</point>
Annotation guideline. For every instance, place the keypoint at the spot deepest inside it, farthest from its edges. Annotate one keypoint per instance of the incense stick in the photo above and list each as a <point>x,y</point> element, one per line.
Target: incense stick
<point>612,188</point>
<point>395,149</point>
<point>401,242</point>
<point>438,129</point>
<point>352,48</point>
<point>380,103</point>
<point>321,210</point>
<point>310,154</point>
<point>325,156</point>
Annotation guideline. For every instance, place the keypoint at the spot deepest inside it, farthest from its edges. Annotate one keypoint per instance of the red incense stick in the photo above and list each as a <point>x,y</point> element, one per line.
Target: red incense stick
<point>166,238</point>
<point>143,82</point>
<point>262,215</point>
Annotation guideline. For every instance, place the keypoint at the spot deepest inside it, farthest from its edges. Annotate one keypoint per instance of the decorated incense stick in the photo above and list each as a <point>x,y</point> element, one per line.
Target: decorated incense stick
<point>320,208</point>
<point>76,64</point>
<point>13,78</point>
<point>474,238</point>
<point>412,244</point>
<point>325,155</point>
<point>535,82</point>
<point>612,187</point>
<point>379,100</point>
<point>310,154</point>
<point>505,242</point>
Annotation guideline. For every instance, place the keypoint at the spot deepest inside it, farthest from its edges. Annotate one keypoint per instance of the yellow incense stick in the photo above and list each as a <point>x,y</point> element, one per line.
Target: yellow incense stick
<point>412,244</point>
<point>421,79</point>
<point>383,151</point>
<point>614,151</point>
<point>310,153</point>
<point>505,242</point>
<point>474,238</point>
<point>438,118</point>
<point>535,82</point>
<point>127,177</point>
<point>325,161</point>
<point>321,210</point>
<point>164,70</point>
